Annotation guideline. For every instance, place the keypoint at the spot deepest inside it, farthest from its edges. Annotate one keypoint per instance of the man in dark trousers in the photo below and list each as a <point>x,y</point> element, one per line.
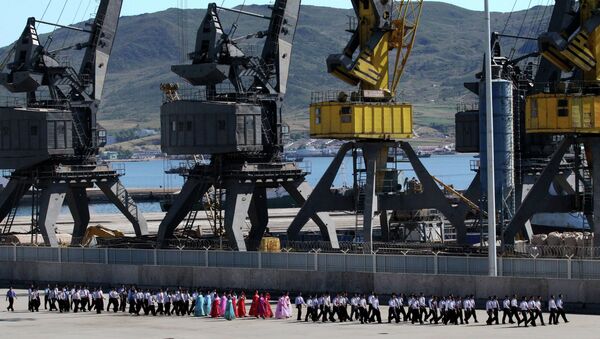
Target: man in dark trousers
<point>11,295</point>
<point>561,310</point>
<point>376,314</point>
<point>299,303</point>
<point>506,311</point>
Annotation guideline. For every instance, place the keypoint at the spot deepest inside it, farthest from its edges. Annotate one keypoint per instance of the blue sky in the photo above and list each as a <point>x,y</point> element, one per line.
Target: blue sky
<point>15,12</point>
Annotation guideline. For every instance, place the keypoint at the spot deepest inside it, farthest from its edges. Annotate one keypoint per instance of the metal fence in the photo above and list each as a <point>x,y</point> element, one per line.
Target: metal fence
<point>311,261</point>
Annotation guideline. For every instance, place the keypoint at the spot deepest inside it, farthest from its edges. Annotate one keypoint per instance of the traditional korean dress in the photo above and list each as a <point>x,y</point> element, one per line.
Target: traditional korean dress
<point>216,308</point>
<point>207,304</point>
<point>254,306</point>
<point>199,308</point>
<point>234,303</point>
<point>268,310</point>
<point>223,305</point>
<point>241,306</point>
<point>262,308</point>
<point>287,307</point>
<point>279,312</point>
<point>229,310</point>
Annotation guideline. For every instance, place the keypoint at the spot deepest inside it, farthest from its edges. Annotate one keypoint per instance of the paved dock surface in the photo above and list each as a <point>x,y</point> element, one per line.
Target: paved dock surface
<point>279,221</point>
<point>44,324</point>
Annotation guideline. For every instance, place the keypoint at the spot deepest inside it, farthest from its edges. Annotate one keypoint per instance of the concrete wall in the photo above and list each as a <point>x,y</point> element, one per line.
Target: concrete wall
<point>582,294</point>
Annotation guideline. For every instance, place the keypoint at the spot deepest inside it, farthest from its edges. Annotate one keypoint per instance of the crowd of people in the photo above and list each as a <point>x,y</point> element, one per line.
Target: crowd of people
<point>417,309</point>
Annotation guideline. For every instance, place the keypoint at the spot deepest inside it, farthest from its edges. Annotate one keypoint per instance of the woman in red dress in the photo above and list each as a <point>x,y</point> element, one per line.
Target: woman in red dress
<point>215,310</point>
<point>268,311</point>
<point>254,306</point>
<point>241,306</point>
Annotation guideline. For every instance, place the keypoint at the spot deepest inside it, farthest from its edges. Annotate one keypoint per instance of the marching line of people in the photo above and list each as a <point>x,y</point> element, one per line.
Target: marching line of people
<point>448,310</point>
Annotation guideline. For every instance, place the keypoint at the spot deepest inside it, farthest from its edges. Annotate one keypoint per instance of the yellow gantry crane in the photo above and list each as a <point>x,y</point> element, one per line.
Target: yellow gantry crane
<point>374,61</point>
<point>568,108</point>
<point>372,121</point>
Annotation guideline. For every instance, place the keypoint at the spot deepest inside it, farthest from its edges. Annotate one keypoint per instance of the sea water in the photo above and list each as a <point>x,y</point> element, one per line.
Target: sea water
<point>451,169</point>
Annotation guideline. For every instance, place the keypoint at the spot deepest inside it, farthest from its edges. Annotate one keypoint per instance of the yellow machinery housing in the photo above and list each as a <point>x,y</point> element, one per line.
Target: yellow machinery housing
<point>574,111</point>
<point>371,113</point>
<point>563,113</point>
<point>339,120</point>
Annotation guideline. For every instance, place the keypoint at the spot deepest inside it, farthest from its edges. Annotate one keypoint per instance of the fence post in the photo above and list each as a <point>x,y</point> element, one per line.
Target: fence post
<point>569,267</point>
<point>375,260</point>
<point>59,254</point>
<point>14,252</point>
<point>435,262</point>
<point>259,259</point>
<point>345,259</point>
<point>206,256</point>
<point>155,256</point>
<point>106,255</point>
<point>500,266</point>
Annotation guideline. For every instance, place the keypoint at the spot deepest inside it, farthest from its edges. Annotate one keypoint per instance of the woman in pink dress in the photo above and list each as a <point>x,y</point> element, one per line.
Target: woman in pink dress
<point>287,305</point>
<point>279,309</point>
<point>223,305</point>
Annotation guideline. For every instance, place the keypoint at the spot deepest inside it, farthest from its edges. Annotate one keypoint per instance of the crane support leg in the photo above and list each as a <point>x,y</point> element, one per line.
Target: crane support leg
<point>237,203</point>
<point>10,196</point>
<point>51,201</point>
<point>435,195</point>
<point>595,226</point>
<point>259,217</point>
<point>473,193</point>
<point>384,218</point>
<point>77,201</point>
<point>118,195</point>
<point>371,154</point>
<point>320,196</point>
<point>536,196</point>
<point>191,192</point>
<point>300,193</point>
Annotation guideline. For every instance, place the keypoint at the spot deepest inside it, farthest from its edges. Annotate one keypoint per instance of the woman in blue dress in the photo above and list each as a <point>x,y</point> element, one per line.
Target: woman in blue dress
<point>199,308</point>
<point>229,310</point>
<point>207,303</point>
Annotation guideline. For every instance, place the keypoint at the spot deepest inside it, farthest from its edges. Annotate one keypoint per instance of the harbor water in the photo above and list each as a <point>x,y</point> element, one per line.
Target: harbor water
<point>451,169</point>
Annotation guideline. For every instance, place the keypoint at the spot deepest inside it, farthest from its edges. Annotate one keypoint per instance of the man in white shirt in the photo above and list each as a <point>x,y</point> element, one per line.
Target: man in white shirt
<point>364,315</point>
<point>496,309</point>
<point>376,314</point>
<point>514,307</point>
<point>422,308</point>
<point>113,297</point>
<point>98,300</point>
<point>299,302</point>
<point>538,310</point>
<point>561,310</point>
<point>76,297</point>
<point>160,300</point>
<point>506,311</point>
<point>393,309</point>
<point>354,308</point>
<point>532,315</point>
<point>310,309</point>
<point>489,310</point>
<point>553,320</point>
<point>415,310</point>
<point>433,310</point>
<point>401,310</point>
<point>524,308</point>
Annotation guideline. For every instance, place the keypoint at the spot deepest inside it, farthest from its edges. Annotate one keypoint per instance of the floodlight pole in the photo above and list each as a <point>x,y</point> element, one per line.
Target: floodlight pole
<point>491,194</point>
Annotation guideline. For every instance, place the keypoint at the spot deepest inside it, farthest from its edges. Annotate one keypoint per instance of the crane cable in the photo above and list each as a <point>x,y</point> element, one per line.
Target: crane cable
<point>514,49</point>
<point>509,16</point>
<point>68,34</point>
<point>49,40</point>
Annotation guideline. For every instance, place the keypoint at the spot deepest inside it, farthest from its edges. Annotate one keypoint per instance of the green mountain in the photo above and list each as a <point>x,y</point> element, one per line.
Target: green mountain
<point>448,52</point>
